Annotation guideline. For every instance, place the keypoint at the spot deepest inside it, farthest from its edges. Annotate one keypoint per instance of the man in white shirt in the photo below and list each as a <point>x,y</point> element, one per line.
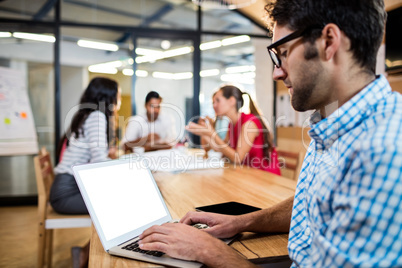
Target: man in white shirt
<point>152,130</point>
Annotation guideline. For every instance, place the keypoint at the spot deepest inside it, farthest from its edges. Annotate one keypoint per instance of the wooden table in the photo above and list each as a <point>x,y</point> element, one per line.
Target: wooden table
<point>182,192</point>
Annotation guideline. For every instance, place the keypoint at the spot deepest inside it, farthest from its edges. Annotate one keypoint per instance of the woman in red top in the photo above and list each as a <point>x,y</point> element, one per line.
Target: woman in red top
<point>249,139</point>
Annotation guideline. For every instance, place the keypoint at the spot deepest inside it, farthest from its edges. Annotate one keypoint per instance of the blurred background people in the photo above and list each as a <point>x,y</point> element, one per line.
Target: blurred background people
<point>220,123</point>
<point>249,139</point>
<point>153,130</point>
<point>86,141</point>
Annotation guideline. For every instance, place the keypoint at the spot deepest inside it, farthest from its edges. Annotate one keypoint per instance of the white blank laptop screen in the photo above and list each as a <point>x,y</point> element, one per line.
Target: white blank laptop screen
<point>123,197</point>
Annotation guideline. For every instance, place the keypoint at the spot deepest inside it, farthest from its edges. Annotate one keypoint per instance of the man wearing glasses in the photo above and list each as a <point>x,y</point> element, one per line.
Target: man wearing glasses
<point>347,209</point>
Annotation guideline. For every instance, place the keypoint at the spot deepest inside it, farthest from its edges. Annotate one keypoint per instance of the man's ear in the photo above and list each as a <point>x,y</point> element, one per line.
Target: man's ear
<point>331,37</point>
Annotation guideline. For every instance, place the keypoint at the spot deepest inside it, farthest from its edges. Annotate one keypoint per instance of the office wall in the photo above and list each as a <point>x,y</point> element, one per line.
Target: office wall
<point>73,82</point>
<point>263,79</point>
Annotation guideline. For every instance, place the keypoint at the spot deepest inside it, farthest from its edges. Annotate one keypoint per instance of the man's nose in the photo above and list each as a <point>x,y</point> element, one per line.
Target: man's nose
<point>279,74</point>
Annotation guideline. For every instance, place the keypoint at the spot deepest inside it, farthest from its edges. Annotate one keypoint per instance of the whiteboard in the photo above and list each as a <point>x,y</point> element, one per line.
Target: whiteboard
<point>17,128</point>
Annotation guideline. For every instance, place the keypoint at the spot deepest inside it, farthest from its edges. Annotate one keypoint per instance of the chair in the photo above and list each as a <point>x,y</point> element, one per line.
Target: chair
<point>291,163</point>
<point>48,219</point>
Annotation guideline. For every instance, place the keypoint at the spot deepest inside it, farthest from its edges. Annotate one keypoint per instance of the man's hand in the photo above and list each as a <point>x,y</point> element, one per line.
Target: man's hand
<point>189,243</point>
<point>220,226</point>
<point>178,241</point>
<point>153,138</point>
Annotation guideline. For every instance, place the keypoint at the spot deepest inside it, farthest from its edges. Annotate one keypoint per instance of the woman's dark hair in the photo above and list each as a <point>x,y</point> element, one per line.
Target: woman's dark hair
<point>232,91</point>
<point>100,95</point>
<point>152,95</point>
<point>362,21</point>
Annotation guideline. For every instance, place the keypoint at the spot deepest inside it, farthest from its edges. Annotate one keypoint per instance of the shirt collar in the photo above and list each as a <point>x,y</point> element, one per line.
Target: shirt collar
<point>326,131</point>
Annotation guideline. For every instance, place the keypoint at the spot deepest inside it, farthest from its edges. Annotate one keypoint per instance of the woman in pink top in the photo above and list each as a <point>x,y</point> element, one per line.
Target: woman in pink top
<point>248,137</point>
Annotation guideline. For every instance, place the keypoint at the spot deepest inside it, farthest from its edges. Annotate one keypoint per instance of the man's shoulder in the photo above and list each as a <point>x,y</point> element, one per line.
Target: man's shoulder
<point>384,124</point>
<point>387,114</point>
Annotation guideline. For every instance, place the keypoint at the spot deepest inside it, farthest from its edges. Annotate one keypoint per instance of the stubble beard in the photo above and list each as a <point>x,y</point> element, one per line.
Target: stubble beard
<point>306,83</point>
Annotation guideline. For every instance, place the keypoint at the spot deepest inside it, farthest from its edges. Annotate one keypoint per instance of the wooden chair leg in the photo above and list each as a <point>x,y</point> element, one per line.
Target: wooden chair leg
<point>41,245</point>
<point>49,245</point>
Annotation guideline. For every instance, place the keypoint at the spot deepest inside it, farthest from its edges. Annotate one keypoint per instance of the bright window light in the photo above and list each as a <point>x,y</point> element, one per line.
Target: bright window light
<point>210,45</point>
<point>98,45</point>
<point>240,69</point>
<point>211,72</point>
<point>5,34</point>
<point>235,40</point>
<point>36,37</point>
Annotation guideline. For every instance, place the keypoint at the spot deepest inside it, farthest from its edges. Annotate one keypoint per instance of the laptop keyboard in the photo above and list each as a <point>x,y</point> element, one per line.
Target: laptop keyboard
<point>134,246</point>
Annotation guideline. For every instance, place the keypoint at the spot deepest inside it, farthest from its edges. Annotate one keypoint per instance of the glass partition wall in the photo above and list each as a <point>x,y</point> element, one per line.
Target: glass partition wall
<point>172,47</point>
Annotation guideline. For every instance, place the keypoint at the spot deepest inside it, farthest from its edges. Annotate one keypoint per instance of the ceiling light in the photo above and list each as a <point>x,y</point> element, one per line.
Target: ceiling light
<point>210,45</point>
<point>249,75</point>
<point>102,69</point>
<point>128,72</point>
<point>180,76</point>
<point>146,51</point>
<point>116,63</point>
<point>98,45</point>
<point>165,54</point>
<point>177,52</point>
<point>211,72</point>
<point>5,34</point>
<point>165,44</point>
<point>235,40</point>
<point>240,69</point>
<point>36,37</point>
<point>223,4</point>
<point>141,73</point>
<point>162,75</point>
<point>237,78</point>
<point>148,58</point>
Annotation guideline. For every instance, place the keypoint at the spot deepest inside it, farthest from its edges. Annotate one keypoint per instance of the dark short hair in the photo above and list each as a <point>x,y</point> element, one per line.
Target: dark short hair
<point>152,95</point>
<point>362,21</point>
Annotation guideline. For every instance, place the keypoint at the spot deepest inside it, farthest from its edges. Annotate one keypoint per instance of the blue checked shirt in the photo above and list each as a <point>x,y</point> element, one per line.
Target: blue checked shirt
<point>347,210</point>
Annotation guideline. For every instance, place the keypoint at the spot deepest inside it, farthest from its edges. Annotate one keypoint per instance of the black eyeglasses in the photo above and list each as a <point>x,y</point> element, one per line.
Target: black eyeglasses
<point>271,49</point>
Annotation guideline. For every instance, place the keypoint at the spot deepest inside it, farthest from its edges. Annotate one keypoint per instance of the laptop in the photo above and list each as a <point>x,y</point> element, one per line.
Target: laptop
<point>123,200</point>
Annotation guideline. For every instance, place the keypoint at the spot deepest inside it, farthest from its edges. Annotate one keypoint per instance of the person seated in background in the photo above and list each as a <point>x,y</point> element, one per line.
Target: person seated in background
<point>86,141</point>
<point>248,136</point>
<point>153,130</point>
<point>221,124</point>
